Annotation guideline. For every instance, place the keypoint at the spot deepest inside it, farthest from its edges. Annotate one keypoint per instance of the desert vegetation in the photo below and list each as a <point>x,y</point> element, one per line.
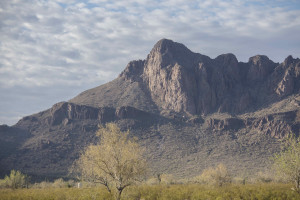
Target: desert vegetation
<point>114,168</point>
<point>116,161</point>
<point>287,162</point>
<point>155,192</point>
<point>15,180</point>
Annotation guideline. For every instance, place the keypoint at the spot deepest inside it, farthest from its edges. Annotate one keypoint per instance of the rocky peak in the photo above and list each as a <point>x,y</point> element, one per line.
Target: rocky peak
<point>166,53</point>
<point>289,60</point>
<point>259,60</point>
<point>169,75</point>
<point>228,65</point>
<point>133,70</point>
<point>227,59</point>
<point>183,81</point>
<point>165,45</point>
<point>288,73</point>
<point>260,67</point>
<point>162,46</point>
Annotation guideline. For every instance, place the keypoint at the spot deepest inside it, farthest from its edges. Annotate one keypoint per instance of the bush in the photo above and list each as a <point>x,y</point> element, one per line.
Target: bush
<point>264,177</point>
<point>165,179</point>
<point>42,185</point>
<point>15,180</point>
<point>240,180</point>
<point>218,176</point>
<point>2,183</point>
<point>71,183</point>
<point>59,183</point>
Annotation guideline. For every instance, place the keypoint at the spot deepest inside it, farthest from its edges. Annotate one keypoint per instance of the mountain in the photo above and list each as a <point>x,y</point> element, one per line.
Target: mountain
<point>189,111</point>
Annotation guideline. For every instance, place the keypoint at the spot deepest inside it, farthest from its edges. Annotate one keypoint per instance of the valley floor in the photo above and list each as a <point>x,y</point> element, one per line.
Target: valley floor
<point>159,192</point>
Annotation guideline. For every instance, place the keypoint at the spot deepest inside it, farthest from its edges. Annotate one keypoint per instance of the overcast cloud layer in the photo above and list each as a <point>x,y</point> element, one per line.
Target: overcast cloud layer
<point>51,50</point>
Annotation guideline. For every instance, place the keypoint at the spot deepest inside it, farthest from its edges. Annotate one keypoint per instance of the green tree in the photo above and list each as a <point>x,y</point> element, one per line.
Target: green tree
<point>287,162</point>
<point>16,180</point>
<point>116,161</point>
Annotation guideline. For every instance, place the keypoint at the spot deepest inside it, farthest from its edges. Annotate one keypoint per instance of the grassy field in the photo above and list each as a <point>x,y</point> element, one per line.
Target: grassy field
<point>164,192</point>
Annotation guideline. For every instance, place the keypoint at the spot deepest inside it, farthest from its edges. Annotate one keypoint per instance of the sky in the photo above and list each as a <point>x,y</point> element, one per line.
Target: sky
<point>51,50</point>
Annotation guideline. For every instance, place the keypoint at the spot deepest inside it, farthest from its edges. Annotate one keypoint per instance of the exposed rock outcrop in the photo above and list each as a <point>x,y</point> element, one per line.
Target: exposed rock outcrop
<point>133,70</point>
<point>186,82</point>
<point>65,113</point>
<point>225,124</point>
<point>277,125</point>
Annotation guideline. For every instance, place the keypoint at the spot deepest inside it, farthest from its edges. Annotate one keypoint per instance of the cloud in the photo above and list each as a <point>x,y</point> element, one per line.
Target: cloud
<point>52,47</point>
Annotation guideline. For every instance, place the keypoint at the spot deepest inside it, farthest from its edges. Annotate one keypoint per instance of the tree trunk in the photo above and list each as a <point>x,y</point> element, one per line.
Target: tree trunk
<point>298,184</point>
<point>119,194</point>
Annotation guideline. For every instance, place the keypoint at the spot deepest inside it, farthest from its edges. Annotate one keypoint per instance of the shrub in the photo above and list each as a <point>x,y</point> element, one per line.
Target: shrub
<point>2,183</point>
<point>70,183</point>
<point>15,180</point>
<point>264,177</point>
<point>42,185</point>
<point>218,176</point>
<point>59,183</point>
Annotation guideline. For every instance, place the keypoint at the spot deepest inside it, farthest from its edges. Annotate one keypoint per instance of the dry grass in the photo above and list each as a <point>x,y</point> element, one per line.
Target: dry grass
<point>159,192</point>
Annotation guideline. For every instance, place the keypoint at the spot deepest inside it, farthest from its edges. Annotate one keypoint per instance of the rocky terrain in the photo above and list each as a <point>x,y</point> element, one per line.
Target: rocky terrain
<point>189,112</point>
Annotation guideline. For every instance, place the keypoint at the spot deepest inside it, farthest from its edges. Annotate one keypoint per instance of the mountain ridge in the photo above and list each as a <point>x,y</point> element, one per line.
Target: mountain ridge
<point>160,75</point>
<point>187,110</point>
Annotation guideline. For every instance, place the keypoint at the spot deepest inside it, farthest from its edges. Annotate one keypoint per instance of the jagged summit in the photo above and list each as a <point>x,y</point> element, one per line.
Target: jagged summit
<point>173,78</point>
<point>162,44</point>
<point>259,59</point>
<point>289,60</point>
<point>166,53</point>
<point>227,59</point>
<point>165,45</point>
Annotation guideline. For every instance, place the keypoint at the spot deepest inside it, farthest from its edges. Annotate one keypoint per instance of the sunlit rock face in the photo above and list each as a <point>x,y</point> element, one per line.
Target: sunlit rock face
<point>182,81</point>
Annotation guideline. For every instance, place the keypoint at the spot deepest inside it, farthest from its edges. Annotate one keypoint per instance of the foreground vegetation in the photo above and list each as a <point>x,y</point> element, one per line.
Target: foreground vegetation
<point>167,192</point>
<point>115,162</point>
<point>114,168</point>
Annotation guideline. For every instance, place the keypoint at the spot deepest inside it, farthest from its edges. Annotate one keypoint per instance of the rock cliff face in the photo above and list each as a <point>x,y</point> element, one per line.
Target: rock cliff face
<point>65,113</point>
<point>185,82</point>
<point>189,111</point>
